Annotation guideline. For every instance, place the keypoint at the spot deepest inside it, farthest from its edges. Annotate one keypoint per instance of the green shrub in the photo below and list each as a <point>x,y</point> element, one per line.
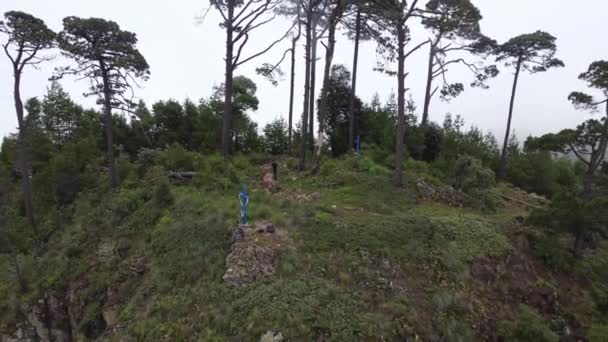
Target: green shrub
<point>528,326</point>
<point>177,158</point>
<point>540,173</point>
<point>470,176</point>
<point>549,249</point>
<point>218,173</point>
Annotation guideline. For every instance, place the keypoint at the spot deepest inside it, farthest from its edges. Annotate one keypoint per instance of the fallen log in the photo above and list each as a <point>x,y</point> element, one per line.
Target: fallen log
<point>182,175</point>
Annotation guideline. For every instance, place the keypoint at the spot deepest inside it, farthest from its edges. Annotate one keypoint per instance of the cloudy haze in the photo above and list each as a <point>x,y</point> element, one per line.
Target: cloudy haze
<point>186,60</point>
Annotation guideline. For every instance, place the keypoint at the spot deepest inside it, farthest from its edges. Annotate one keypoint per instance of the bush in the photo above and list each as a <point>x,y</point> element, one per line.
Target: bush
<point>177,158</point>
<point>528,326</point>
<point>470,176</point>
<point>215,172</point>
<point>540,173</point>
<point>552,253</point>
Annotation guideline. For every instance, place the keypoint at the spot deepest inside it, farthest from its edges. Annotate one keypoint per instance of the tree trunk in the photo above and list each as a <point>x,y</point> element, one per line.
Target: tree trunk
<point>579,240</point>
<point>291,89</point>
<point>429,86</point>
<point>399,148</point>
<point>502,166</point>
<point>228,88</point>
<point>588,185</point>
<point>329,55</point>
<point>107,107</point>
<point>18,273</point>
<point>313,80</point>
<point>304,133</point>
<point>353,93</point>
<point>24,170</point>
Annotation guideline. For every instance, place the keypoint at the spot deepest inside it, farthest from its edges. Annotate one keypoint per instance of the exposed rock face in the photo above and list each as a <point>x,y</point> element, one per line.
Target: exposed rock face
<point>446,195</point>
<point>24,333</point>
<point>254,253</point>
<point>50,318</point>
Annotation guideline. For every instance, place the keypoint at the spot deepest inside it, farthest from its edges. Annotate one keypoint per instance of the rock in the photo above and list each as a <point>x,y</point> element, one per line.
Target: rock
<point>304,197</point>
<point>137,266</point>
<point>270,229</point>
<point>248,262</point>
<point>254,255</point>
<point>84,326</point>
<point>105,252</point>
<point>271,337</point>
<point>24,333</point>
<point>110,315</point>
<point>238,234</point>
<point>446,195</point>
<point>50,318</point>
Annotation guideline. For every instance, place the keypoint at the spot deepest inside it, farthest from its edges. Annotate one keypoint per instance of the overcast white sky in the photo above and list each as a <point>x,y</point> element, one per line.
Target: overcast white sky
<point>186,60</point>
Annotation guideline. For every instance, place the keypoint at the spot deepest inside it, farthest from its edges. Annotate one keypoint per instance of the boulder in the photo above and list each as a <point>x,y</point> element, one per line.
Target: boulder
<point>270,336</point>
<point>50,319</point>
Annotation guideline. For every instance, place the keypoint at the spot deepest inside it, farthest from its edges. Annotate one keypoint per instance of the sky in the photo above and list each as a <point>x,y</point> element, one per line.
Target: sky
<point>186,60</point>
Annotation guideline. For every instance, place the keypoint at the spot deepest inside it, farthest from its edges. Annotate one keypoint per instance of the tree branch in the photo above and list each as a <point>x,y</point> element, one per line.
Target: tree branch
<point>266,49</point>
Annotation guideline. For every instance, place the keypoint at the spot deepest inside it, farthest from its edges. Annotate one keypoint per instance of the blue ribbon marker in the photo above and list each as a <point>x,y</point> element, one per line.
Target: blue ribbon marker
<point>358,145</point>
<point>244,200</point>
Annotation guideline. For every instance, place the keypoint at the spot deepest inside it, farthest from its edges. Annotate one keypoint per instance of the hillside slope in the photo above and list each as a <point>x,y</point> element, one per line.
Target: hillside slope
<point>342,256</point>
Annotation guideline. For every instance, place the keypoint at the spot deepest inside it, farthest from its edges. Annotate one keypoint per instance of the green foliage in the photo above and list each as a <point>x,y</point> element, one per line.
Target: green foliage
<point>177,158</point>
<point>468,237</point>
<point>570,213</point>
<point>60,115</point>
<point>94,40</point>
<point>536,52</point>
<point>314,307</point>
<point>220,174</point>
<point>549,249</point>
<point>27,35</point>
<point>470,176</point>
<point>276,140</point>
<point>457,142</point>
<point>338,110</point>
<point>193,246</point>
<point>528,326</point>
<point>540,173</point>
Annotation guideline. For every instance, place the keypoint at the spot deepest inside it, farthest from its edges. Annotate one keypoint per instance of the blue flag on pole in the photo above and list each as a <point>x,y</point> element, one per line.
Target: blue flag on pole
<point>244,200</point>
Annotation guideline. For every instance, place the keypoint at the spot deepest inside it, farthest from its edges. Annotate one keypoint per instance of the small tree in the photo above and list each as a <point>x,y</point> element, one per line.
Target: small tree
<point>534,53</point>
<point>60,114</point>
<point>276,139</point>
<point>593,133</point>
<point>27,37</point>
<point>107,57</point>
